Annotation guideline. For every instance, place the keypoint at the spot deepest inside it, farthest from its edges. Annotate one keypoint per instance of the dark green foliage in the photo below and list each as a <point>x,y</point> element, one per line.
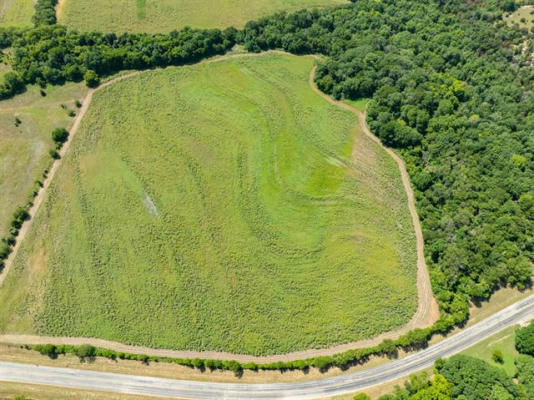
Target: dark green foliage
<point>91,79</point>
<point>497,356</point>
<point>46,350</point>
<point>12,84</point>
<point>86,351</point>
<point>19,216</point>
<point>45,12</point>
<point>53,54</point>
<point>54,154</point>
<point>524,339</point>
<point>525,374</point>
<point>60,135</point>
<point>475,379</point>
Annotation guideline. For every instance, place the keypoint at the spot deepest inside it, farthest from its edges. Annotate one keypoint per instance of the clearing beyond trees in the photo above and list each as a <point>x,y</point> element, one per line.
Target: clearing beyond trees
<point>155,16</point>
<point>26,124</point>
<point>223,206</point>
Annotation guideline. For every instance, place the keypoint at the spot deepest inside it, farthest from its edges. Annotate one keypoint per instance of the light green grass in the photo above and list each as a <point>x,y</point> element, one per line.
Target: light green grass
<point>503,341</point>
<point>16,13</point>
<point>216,207</point>
<point>360,104</point>
<point>165,15</point>
<point>24,149</point>
<point>526,13</point>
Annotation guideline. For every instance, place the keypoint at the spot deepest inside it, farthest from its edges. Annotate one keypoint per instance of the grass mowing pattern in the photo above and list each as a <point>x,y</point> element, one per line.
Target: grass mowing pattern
<point>165,15</point>
<point>218,207</point>
<point>16,13</point>
<point>24,149</point>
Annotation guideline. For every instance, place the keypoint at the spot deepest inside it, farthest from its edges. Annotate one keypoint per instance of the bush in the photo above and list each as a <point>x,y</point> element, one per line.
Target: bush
<point>54,154</point>
<point>497,356</point>
<point>85,351</point>
<point>47,350</point>
<point>60,135</point>
<point>45,12</point>
<point>91,78</point>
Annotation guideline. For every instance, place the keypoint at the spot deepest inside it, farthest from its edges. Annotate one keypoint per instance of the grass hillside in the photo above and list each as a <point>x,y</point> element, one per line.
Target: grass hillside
<point>16,12</point>
<point>221,206</point>
<point>24,148</point>
<point>166,15</point>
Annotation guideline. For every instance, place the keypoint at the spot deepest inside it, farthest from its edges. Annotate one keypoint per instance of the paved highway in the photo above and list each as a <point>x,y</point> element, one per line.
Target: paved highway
<point>521,311</point>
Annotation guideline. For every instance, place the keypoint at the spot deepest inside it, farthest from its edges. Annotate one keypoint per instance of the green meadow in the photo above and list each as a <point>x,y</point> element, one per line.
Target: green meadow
<point>166,15</point>
<point>221,206</point>
<point>24,145</point>
<point>16,13</point>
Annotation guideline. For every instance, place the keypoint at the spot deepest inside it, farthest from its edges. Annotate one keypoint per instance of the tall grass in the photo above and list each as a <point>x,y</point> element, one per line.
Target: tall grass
<point>218,207</point>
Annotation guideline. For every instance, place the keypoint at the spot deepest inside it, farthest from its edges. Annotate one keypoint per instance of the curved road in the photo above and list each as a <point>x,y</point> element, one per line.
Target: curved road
<point>100,381</point>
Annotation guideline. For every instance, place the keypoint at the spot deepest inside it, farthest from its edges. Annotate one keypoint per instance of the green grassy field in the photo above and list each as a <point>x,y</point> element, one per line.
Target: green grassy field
<point>503,341</point>
<point>523,16</point>
<point>16,12</point>
<point>24,149</point>
<point>220,207</point>
<point>166,15</point>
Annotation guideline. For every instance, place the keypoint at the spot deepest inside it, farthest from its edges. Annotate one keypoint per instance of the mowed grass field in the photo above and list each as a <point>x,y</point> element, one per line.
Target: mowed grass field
<point>222,206</point>
<point>24,148</point>
<point>166,15</point>
<point>16,12</point>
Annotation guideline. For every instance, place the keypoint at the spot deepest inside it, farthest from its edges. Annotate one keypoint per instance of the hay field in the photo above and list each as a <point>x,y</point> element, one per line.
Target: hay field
<point>166,15</point>
<point>16,13</point>
<point>221,206</point>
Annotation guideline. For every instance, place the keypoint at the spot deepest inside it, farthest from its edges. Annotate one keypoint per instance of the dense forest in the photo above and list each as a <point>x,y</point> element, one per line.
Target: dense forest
<point>450,87</point>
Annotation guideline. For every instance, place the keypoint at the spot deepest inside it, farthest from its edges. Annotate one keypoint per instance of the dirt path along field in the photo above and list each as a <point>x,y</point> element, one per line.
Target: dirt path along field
<point>427,312</point>
<point>37,201</point>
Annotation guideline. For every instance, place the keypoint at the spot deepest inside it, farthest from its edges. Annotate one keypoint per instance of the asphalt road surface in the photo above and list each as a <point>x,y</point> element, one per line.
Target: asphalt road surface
<point>521,311</point>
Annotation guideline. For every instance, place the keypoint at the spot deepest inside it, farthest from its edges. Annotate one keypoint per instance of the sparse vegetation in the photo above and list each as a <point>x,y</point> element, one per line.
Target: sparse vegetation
<point>24,148</point>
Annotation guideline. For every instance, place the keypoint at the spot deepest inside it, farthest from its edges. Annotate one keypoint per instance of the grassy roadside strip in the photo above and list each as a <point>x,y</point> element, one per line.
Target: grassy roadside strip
<point>413,340</point>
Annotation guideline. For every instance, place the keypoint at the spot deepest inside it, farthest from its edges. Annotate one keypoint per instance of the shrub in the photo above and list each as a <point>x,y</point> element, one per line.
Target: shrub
<point>60,135</point>
<point>85,351</point>
<point>91,78</point>
<point>497,356</point>
<point>47,350</point>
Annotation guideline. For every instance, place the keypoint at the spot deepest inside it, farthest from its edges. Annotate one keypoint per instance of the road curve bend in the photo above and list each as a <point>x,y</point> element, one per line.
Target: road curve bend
<point>521,311</point>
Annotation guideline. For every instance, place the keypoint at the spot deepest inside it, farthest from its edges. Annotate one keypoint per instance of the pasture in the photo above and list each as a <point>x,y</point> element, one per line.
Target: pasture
<point>523,16</point>
<point>16,13</point>
<point>24,145</point>
<point>154,16</point>
<point>222,206</point>
<point>504,342</point>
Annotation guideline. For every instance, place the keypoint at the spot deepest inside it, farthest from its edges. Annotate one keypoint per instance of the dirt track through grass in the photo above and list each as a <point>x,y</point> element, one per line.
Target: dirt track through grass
<point>423,315</point>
